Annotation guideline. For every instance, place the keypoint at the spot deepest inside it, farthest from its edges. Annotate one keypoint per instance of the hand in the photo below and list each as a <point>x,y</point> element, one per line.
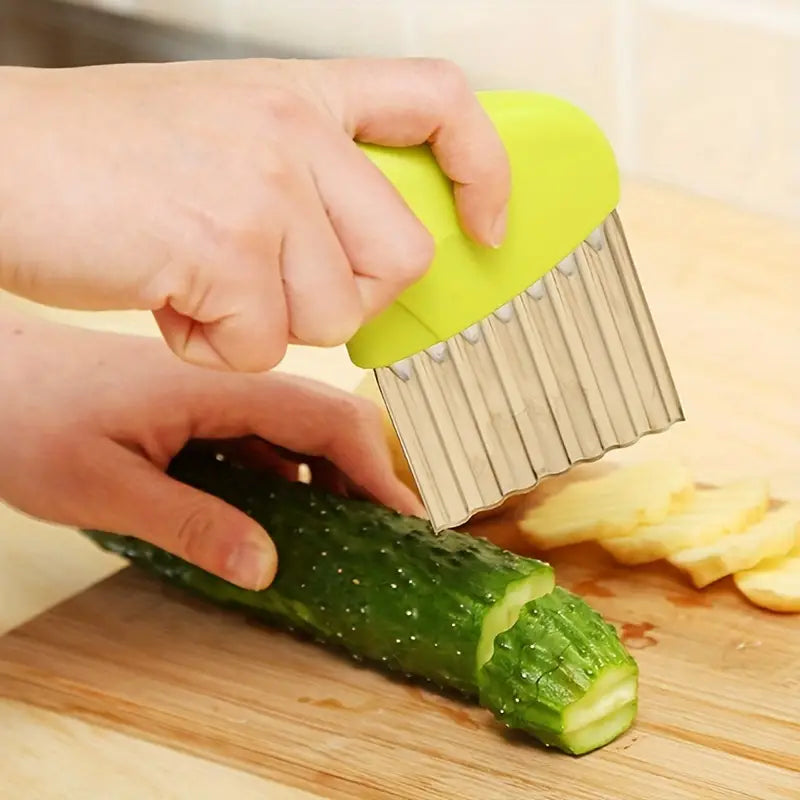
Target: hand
<point>229,198</point>
<point>90,421</point>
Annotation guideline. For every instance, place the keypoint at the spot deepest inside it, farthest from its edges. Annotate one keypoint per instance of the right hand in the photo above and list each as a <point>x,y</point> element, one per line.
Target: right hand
<point>229,198</point>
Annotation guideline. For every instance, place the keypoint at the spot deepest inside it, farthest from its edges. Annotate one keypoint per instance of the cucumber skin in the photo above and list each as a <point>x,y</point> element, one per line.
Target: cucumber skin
<point>383,586</point>
<point>547,662</point>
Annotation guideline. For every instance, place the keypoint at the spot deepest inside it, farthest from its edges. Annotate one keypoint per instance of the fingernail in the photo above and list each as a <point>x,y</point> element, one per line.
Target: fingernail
<point>498,233</point>
<point>251,566</point>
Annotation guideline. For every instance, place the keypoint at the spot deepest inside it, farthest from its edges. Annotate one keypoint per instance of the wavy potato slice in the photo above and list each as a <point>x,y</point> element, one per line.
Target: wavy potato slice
<point>610,505</point>
<point>774,584</point>
<point>712,514</point>
<point>775,535</point>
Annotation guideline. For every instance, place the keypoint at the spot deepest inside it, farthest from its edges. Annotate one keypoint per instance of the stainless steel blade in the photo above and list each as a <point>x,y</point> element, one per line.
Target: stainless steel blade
<point>563,373</point>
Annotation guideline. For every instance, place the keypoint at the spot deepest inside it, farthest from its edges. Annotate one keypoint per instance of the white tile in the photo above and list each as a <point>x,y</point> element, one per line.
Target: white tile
<point>718,108</point>
<point>326,28</point>
<point>772,16</point>
<point>206,15</point>
<point>565,48</point>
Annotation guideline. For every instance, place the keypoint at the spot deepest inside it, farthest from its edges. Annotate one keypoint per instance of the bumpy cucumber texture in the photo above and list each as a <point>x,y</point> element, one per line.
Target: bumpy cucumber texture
<point>450,608</point>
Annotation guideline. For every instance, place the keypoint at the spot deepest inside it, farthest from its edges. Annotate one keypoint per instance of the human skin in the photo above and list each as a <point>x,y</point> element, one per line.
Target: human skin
<point>231,201</point>
<point>230,198</point>
<point>90,421</point>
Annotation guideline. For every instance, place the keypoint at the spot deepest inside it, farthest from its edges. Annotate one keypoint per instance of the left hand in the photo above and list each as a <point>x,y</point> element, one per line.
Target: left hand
<point>90,421</point>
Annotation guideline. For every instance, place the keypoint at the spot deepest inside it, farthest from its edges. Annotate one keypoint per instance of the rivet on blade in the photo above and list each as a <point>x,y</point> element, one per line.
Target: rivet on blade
<point>568,266</point>
<point>403,369</point>
<point>536,290</point>
<point>505,313</point>
<point>596,240</point>
<point>472,334</point>
<point>438,351</point>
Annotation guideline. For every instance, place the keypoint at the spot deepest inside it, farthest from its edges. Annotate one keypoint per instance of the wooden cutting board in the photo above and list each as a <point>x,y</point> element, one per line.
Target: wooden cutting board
<point>719,714</point>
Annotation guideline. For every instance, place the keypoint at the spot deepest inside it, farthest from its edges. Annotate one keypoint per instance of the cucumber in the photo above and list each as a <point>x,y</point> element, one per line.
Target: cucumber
<point>573,681</point>
<point>449,608</point>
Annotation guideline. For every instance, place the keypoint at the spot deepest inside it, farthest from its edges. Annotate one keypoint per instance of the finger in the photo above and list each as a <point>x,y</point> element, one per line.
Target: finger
<point>328,476</point>
<point>387,247</point>
<point>411,101</point>
<point>240,322</point>
<point>139,500</point>
<point>323,303</point>
<point>341,427</point>
<point>255,453</point>
<point>362,455</point>
<point>353,441</point>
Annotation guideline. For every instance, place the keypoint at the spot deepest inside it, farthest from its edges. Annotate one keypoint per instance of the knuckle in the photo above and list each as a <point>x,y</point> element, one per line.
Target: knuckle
<point>279,178</point>
<point>248,249</point>
<point>448,77</point>
<point>286,109</point>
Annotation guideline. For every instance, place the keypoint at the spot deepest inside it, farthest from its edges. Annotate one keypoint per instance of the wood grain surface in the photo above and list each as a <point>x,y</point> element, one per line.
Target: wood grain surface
<point>720,679</point>
<point>719,716</point>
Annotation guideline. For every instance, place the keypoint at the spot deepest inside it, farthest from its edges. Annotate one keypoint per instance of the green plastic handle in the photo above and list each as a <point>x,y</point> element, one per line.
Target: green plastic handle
<point>565,182</point>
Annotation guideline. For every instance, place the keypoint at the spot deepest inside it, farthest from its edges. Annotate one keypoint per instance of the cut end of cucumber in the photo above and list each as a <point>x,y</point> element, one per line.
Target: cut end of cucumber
<point>505,612</point>
<point>562,674</point>
<point>599,733</point>
<point>607,710</point>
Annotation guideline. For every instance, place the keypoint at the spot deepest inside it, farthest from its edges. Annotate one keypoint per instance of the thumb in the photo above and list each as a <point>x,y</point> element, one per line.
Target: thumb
<point>144,502</point>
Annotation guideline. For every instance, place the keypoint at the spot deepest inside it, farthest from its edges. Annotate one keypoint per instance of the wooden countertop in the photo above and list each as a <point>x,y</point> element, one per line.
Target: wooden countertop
<point>723,287</point>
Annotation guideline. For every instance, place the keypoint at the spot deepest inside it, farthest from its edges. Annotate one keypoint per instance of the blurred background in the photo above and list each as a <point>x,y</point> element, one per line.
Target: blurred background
<point>703,95</point>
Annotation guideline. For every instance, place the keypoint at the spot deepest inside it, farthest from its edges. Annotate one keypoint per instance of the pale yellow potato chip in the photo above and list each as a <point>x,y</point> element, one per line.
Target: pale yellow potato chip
<point>775,535</point>
<point>773,584</point>
<point>712,514</point>
<point>368,388</point>
<point>610,505</point>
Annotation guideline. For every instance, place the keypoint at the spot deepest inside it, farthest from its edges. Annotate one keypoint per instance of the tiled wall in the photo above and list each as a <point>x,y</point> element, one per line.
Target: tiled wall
<point>703,94</point>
